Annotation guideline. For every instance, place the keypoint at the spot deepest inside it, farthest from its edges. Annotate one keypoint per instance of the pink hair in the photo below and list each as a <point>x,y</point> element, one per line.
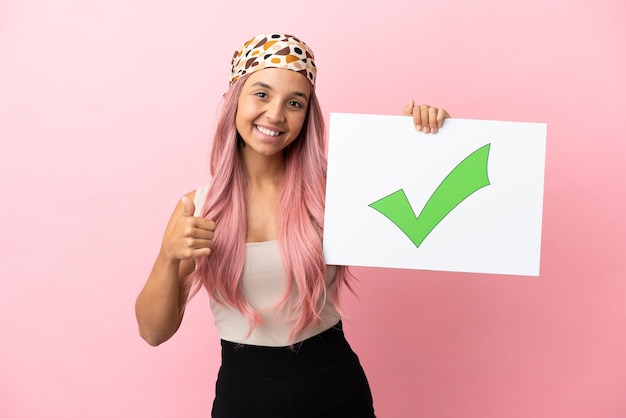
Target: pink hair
<point>300,216</point>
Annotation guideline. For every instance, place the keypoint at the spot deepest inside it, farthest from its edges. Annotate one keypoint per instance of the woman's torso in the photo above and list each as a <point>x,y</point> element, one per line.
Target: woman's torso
<point>264,284</point>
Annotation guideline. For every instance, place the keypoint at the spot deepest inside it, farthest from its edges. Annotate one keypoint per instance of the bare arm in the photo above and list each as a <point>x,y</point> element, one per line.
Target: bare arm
<point>161,304</point>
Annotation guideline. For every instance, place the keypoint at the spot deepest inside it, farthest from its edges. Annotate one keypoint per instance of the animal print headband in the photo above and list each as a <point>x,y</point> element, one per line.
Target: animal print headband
<point>273,50</point>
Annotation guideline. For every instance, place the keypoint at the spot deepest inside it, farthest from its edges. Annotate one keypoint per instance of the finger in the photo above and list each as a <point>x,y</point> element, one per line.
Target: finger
<point>202,252</point>
<point>192,253</point>
<point>198,244</point>
<point>408,110</point>
<point>417,118</point>
<point>205,224</point>
<point>441,115</point>
<point>432,119</point>
<point>197,233</point>
<point>188,207</point>
<point>192,229</point>
<point>194,248</point>
<point>424,115</point>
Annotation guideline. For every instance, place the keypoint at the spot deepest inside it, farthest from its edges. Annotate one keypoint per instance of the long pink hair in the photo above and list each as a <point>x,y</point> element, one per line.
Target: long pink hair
<point>300,216</point>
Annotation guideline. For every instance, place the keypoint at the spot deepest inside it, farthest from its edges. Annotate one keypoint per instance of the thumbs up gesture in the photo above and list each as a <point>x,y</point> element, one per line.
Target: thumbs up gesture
<point>187,237</point>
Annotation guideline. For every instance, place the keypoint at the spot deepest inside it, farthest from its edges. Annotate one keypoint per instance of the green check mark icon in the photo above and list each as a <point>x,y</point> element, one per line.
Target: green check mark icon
<point>469,176</point>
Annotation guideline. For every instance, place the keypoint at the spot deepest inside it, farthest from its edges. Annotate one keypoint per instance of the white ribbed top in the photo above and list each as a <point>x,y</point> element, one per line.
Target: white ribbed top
<point>264,282</point>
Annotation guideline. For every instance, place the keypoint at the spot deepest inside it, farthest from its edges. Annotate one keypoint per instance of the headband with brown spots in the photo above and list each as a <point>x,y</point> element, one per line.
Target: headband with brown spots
<point>273,50</point>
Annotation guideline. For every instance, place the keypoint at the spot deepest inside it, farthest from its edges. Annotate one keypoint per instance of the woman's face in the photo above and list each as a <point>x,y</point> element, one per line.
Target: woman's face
<point>271,110</point>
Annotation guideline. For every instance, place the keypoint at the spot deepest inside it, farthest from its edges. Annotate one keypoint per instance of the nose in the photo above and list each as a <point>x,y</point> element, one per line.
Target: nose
<point>274,111</point>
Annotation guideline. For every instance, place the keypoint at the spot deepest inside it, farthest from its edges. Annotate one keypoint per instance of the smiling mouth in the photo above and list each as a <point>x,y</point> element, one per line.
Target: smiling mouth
<point>266,131</point>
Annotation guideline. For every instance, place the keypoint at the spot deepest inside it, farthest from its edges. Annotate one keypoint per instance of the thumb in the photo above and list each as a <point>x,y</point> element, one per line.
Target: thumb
<point>408,110</point>
<point>188,207</point>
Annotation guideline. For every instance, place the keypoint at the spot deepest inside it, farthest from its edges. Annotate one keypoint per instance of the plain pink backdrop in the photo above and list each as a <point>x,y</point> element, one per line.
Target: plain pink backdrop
<point>106,114</point>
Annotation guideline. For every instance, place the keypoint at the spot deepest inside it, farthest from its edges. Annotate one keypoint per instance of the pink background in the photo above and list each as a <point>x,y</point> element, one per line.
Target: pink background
<point>106,113</point>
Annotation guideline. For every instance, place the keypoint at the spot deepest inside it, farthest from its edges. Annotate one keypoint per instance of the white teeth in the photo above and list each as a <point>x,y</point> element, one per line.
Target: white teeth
<point>267,132</point>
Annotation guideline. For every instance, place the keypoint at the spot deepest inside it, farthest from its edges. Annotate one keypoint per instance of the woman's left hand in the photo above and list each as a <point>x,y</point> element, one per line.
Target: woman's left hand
<point>426,118</point>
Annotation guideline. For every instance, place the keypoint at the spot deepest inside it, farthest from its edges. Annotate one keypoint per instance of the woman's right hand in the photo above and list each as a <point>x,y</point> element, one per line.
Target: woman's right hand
<point>161,303</point>
<point>187,237</point>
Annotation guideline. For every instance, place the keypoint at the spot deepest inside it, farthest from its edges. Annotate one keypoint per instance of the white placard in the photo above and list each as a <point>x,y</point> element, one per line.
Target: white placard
<point>466,199</point>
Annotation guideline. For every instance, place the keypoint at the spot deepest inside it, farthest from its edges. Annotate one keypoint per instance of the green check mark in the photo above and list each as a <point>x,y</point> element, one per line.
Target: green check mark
<point>467,177</point>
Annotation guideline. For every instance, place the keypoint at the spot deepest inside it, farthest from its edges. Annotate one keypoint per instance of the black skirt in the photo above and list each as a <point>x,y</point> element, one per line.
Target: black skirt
<point>319,377</point>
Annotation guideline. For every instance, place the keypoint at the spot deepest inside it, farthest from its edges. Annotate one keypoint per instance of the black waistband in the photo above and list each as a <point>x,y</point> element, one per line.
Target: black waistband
<point>304,356</point>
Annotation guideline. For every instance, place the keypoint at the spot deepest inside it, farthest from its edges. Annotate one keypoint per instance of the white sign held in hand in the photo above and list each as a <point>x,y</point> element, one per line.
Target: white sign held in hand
<point>466,199</point>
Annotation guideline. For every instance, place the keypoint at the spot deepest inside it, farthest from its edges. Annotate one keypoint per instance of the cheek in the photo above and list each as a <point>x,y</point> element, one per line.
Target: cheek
<point>299,123</point>
<point>246,112</point>
<point>240,118</point>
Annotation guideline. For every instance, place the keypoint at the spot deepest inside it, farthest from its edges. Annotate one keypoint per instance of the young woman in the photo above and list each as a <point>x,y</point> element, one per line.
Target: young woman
<point>253,239</point>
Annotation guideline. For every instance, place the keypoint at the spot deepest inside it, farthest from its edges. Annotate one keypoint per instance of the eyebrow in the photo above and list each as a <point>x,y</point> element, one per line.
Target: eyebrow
<point>267,86</point>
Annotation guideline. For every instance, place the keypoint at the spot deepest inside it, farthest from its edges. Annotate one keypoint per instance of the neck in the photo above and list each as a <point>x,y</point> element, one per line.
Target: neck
<point>262,170</point>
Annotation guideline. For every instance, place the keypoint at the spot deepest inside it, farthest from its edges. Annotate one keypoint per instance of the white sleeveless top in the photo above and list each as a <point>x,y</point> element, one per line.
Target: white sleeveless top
<point>263,284</point>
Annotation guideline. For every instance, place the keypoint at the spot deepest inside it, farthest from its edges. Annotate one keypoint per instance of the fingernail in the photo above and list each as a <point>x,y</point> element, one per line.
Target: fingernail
<point>418,127</point>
